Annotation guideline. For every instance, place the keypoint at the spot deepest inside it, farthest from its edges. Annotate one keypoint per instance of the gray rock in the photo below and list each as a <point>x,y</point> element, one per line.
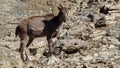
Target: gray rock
<point>9,58</point>
<point>114,40</point>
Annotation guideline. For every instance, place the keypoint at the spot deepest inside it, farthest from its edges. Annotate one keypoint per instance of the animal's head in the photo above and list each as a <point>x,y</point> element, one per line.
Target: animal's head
<point>63,12</point>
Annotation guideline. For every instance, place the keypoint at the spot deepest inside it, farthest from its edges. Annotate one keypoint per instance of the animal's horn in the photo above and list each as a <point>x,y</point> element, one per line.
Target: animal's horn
<point>60,6</point>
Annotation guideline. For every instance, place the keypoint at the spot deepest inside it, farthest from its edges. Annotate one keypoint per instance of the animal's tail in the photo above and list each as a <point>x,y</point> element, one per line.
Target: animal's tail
<point>17,31</point>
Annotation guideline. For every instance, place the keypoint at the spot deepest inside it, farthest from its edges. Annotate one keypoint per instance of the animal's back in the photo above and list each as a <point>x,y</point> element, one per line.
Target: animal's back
<point>38,22</point>
<point>34,23</point>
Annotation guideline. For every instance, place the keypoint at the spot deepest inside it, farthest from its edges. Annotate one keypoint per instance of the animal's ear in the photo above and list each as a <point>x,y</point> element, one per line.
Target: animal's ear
<point>60,7</point>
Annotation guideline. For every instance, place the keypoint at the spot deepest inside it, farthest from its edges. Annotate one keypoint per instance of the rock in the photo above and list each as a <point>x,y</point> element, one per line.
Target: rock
<point>114,40</point>
<point>89,39</point>
<point>73,59</point>
<point>73,45</point>
<point>71,50</point>
<point>91,17</point>
<point>87,58</point>
<point>53,60</point>
<point>111,23</point>
<point>29,65</point>
<point>98,34</point>
<point>104,41</point>
<point>5,64</point>
<point>9,58</point>
<point>109,18</point>
<point>98,60</point>
<point>76,30</point>
<point>112,47</point>
<point>97,38</point>
<point>100,23</point>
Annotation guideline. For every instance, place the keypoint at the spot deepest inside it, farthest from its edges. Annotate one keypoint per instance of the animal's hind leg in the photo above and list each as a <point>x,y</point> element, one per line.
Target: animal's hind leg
<point>22,49</point>
<point>29,42</point>
<point>27,45</point>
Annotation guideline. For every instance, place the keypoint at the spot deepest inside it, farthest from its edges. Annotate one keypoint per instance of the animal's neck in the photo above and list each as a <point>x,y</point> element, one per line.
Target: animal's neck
<point>59,19</point>
<point>56,21</point>
<point>59,16</point>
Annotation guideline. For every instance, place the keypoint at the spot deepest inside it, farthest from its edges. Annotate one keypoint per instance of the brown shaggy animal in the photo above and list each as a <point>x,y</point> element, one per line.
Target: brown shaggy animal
<point>40,26</point>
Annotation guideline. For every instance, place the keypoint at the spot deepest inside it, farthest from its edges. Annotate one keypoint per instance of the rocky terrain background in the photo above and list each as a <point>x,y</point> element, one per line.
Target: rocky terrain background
<point>90,37</point>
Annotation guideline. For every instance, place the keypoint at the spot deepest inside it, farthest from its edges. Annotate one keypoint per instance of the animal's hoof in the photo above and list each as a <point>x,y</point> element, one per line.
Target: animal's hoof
<point>33,51</point>
<point>57,50</point>
<point>47,53</point>
<point>25,60</point>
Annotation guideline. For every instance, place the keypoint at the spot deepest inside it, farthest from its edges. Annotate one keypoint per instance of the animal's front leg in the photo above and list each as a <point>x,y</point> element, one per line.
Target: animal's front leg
<point>54,40</point>
<point>56,51</point>
<point>55,47</point>
<point>49,40</point>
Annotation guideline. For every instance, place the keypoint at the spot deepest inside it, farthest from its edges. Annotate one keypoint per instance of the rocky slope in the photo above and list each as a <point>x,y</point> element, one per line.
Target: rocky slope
<point>90,37</point>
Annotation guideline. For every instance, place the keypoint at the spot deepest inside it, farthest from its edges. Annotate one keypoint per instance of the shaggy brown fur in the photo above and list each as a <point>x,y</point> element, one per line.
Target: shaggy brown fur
<point>40,26</point>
